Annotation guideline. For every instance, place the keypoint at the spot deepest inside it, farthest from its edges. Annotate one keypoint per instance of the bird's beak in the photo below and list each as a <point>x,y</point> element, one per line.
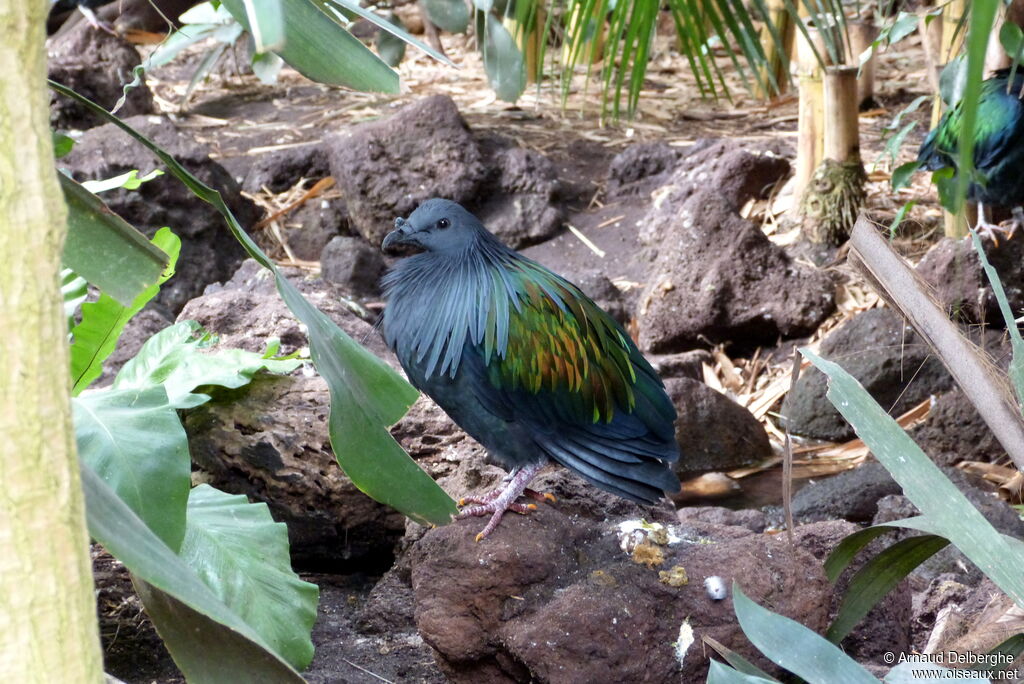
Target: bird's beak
<point>399,236</point>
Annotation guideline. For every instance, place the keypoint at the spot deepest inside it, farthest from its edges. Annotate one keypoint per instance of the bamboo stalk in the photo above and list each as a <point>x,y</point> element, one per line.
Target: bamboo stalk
<point>842,133</point>
<point>810,146</point>
<point>591,49</point>
<point>776,54</point>
<point>862,35</point>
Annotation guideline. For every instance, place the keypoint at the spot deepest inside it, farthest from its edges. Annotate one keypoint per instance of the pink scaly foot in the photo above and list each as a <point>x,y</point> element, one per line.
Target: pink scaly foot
<point>496,502</point>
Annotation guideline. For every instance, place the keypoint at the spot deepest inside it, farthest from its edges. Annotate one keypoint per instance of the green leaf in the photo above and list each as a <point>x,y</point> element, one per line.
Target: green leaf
<point>902,174</point>
<point>946,511</point>
<point>134,440</point>
<point>129,181</point>
<point>188,35</point>
<point>209,642</point>
<point>367,395</point>
<point>73,289</point>
<point>503,61</point>
<point>177,358</point>
<point>62,145</point>
<point>353,8</point>
<point>238,550</point>
<point>449,15</point>
<point>723,674</point>
<point>95,338</point>
<point>266,20</point>
<point>878,577</point>
<point>905,25</point>
<point>897,220</point>
<point>736,661</point>
<point>319,48</point>
<point>1012,38</point>
<point>794,647</point>
<point>104,249</point>
<point>391,48</point>
<point>267,66</point>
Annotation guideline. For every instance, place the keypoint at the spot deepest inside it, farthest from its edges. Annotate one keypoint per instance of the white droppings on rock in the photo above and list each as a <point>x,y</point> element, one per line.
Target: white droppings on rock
<point>685,640</point>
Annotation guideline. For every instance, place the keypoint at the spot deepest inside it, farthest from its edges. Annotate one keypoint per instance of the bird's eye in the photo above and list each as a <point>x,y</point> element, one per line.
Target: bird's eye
<point>444,223</point>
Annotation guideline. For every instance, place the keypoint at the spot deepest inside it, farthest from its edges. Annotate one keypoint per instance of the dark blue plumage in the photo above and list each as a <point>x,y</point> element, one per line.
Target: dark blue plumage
<point>998,178</point>
<point>524,362</point>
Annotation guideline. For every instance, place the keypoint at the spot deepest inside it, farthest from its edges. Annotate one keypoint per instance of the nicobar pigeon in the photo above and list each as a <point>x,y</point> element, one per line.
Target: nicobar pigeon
<point>998,178</point>
<point>524,362</point>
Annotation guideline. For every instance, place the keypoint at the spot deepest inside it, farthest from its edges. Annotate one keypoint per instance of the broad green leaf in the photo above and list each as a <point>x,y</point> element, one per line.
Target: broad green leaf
<point>238,550</point>
<point>133,439</point>
<point>930,673</point>
<point>736,661</point>
<point>129,181</point>
<point>1011,37</point>
<point>189,34</point>
<point>902,174</point>
<point>878,577</point>
<point>73,289</point>
<point>62,145</point>
<point>95,338</point>
<point>1016,369</point>
<point>982,14</point>
<point>353,8</point>
<point>209,642</point>
<point>180,359</point>
<point>905,24</point>
<point>391,48</point>
<point>367,396</point>
<point>945,510</point>
<point>319,48</point>
<point>102,248</point>
<point>449,15</point>
<point>503,61</point>
<point>723,674</point>
<point>265,19</point>
<point>794,647</point>
<point>267,66</point>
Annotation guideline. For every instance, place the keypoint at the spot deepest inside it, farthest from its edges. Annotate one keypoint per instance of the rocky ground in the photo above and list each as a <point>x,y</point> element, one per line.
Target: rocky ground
<point>686,244</point>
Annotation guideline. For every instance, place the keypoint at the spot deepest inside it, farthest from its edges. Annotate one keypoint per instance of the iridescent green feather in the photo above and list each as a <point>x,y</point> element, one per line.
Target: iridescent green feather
<point>560,342</point>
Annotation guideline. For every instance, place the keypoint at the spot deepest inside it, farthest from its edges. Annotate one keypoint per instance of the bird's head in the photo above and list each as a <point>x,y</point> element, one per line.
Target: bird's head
<point>437,225</point>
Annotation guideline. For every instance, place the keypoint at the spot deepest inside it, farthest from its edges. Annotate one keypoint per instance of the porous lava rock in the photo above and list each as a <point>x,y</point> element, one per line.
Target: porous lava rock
<point>713,431</point>
<point>715,278</point>
<point>881,352</point>
<point>554,597</point>
<point>209,252</point>
<point>954,271</point>
<point>352,264</point>
<point>954,431</point>
<point>386,168</point>
<point>95,64</point>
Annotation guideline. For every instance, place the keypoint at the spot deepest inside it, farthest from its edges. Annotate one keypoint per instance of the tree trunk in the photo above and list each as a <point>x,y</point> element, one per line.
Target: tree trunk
<point>49,630</point>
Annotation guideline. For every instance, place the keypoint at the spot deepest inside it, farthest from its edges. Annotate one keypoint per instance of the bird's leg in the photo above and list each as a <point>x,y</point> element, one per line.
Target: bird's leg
<point>991,230</point>
<point>495,503</point>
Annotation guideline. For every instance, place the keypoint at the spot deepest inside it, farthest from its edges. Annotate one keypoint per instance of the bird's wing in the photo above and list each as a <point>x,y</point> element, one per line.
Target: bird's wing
<point>572,375</point>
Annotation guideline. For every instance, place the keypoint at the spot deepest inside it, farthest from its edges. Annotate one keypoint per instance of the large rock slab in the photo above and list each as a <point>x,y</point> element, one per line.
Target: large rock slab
<point>717,278</point>
<point>713,431</point>
<point>954,271</point>
<point>97,65</point>
<point>209,253</point>
<point>885,355</point>
<point>386,168</point>
<point>553,598</point>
